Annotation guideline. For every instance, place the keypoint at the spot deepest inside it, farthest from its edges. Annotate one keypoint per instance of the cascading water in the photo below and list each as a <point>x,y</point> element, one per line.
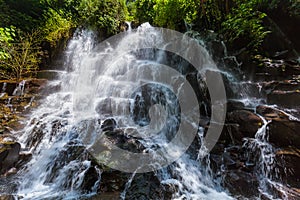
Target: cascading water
<point>95,81</point>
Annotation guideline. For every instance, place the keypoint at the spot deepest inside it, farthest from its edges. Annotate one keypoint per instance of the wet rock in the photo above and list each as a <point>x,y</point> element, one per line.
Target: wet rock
<point>112,181</point>
<point>10,149</point>
<point>6,197</point>
<point>241,183</point>
<point>47,74</point>
<point>34,86</point>
<point>270,113</point>
<point>280,68</point>
<point>288,165</point>
<point>124,141</point>
<point>77,166</point>
<point>233,105</point>
<point>147,186</point>
<point>8,87</point>
<point>109,124</point>
<point>286,85</point>
<point>37,135</point>
<point>11,171</point>
<point>248,122</point>
<point>288,99</point>
<point>24,157</point>
<point>284,133</point>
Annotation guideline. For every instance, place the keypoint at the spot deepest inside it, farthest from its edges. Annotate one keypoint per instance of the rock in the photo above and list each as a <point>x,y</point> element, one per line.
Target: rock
<point>85,166</point>
<point>11,171</point>
<point>112,181</point>
<point>34,86</point>
<point>270,113</point>
<point>288,99</point>
<point>288,165</point>
<point>124,141</point>
<point>10,149</point>
<point>233,105</point>
<point>47,74</point>
<point>8,87</point>
<point>6,197</point>
<point>286,85</point>
<point>241,183</point>
<point>284,133</point>
<point>24,157</point>
<point>231,134</point>
<point>248,122</point>
<point>280,68</point>
<point>147,186</point>
<point>109,124</point>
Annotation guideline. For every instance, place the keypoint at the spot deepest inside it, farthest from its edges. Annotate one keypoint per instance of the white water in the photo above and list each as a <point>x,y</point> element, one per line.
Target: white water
<point>90,77</point>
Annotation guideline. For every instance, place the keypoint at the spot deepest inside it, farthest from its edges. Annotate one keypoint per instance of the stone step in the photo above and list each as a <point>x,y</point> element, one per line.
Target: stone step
<point>289,99</point>
<point>48,74</point>
<point>8,87</point>
<point>286,85</point>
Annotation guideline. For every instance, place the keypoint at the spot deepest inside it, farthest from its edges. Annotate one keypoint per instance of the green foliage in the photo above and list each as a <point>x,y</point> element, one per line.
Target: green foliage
<point>56,26</point>
<point>23,57</point>
<point>145,11</point>
<point>105,15</point>
<point>210,14</point>
<point>25,15</point>
<point>166,13</point>
<point>6,38</point>
<point>244,23</point>
<point>174,13</point>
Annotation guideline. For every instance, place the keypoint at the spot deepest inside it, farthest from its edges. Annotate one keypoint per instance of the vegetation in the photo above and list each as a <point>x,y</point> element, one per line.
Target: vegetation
<point>239,21</point>
<point>25,25</point>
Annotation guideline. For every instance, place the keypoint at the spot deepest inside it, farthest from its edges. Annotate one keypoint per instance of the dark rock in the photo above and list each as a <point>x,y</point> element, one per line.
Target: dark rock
<point>24,158</point>
<point>277,44</point>
<point>280,68</point>
<point>86,166</point>
<point>241,183</point>
<point>284,133</point>
<point>288,165</point>
<point>109,124</point>
<point>8,87</point>
<point>10,149</point>
<point>47,74</point>
<point>34,86</point>
<point>233,105</point>
<point>288,99</point>
<point>248,122</point>
<point>270,113</point>
<point>147,186</point>
<point>112,181</point>
<point>124,141</point>
<point>231,134</point>
<point>286,85</point>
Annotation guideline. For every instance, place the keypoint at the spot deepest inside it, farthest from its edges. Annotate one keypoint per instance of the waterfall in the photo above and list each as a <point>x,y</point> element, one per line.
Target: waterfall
<point>98,86</point>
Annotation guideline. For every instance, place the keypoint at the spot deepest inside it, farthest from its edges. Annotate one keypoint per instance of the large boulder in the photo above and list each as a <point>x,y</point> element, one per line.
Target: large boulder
<point>271,113</point>
<point>288,165</point>
<point>284,133</point>
<point>9,152</point>
<point>289,99</point>
<point>240,183</point>
<point>248,122</point>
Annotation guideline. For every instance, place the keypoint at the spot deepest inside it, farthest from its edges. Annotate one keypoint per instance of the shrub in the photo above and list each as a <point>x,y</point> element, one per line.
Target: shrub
<point>105,15</point>
<point>22,57</point>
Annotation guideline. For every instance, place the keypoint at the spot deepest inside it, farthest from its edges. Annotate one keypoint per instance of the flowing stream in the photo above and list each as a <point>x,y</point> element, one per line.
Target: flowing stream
<point>92,83</point>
